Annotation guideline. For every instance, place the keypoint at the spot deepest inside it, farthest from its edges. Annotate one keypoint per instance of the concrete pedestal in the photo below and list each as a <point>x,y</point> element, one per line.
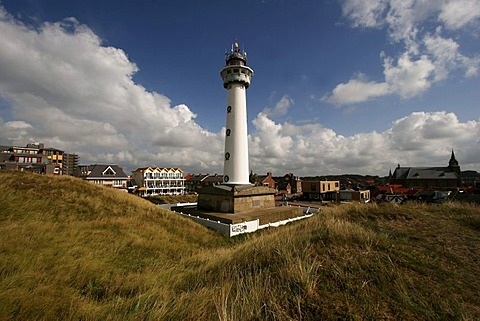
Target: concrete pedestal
<point>235,199</point>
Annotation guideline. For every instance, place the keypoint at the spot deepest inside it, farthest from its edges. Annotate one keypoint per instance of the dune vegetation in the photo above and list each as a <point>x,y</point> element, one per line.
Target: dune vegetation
<point>70,250</point>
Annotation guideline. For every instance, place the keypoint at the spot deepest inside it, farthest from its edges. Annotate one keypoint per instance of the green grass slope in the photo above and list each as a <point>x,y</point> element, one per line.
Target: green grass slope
<point>70,250</point>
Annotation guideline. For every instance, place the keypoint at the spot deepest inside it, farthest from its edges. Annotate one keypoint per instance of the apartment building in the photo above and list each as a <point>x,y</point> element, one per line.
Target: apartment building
<point>159,181</point>
<point>29,159</point>
<point>70,163</point>
<point>54,156</point>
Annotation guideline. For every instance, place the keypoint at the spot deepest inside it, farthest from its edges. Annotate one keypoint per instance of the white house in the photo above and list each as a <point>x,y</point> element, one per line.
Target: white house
<point>107,175</point>
<point>159,181</point>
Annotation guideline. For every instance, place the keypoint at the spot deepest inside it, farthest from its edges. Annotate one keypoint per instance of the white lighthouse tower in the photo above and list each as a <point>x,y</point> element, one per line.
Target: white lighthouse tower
<point>236,79</point>
<point>236,195</point>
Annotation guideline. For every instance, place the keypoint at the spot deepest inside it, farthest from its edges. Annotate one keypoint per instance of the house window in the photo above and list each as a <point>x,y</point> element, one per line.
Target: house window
<point>314,187</point>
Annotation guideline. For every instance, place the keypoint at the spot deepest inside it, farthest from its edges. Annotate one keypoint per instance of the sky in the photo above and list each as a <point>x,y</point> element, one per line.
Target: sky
<point>346,86</point>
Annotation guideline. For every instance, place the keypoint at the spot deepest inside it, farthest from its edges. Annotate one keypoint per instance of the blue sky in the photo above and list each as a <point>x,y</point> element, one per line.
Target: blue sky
<point>339,87</point>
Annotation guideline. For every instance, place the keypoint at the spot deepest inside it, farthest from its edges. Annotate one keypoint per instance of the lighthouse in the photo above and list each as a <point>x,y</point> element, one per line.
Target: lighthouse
<point>236,76</point>
<point>236,206</point>
<point>236,195</point>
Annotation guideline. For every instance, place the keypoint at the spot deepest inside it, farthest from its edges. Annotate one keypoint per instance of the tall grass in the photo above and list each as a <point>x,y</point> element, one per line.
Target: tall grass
<point>172,199</point>
<point>71,250</point>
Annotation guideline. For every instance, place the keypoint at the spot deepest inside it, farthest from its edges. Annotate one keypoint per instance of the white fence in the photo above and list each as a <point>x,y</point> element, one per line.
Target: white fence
<point>235,229</point>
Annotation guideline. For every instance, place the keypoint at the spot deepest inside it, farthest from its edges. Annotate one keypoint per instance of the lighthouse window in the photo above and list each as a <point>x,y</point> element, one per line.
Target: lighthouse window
<point>228,132</point>
<point>227,156</point>
<point>229,109</point>
<point>235,71</point>
<point>243,71</point>
<point>229,71</point>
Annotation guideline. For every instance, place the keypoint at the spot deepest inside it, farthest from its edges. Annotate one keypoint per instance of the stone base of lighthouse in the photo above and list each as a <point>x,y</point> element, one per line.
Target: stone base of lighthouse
<point>234,210</point>
<point>235,199</point>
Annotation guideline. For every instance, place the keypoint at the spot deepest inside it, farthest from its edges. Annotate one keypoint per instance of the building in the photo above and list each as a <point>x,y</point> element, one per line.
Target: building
<point>265,180</point>
<point>428,177</point>
<point>321,190</point>
<point>105,175</point>
<point>70,163</point>
<point>194,182</point>
<point>152,181</point>
<point>29,159</point>
<point>355,196</point>
<point>54,156</point>
<point>288,184</point>
<point>295,183</point>
<point>284,188</point>
<point>212,180</point>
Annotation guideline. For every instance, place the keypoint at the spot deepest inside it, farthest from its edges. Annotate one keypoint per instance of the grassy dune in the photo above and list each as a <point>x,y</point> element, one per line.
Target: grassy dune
<point>72,250</point>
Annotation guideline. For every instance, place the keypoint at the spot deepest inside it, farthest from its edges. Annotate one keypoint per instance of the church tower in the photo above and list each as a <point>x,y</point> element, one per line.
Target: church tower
<point>453,161</point>
<point>454,167</point>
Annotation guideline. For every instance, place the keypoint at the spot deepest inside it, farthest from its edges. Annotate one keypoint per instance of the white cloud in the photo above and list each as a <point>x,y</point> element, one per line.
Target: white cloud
<point>456,14</point>
<point>356,90</point>
<point>427,56</point>
<point>445,53</point>
<point>408,78</point>
<point>426,136</point>
<point>365,13</point>
<point>17,125</point>
<point>269,142</point>
<point>446,56</point>
<point>68,90</point>
<point>419,139</point>
<point>418,129</point>
<point>16,130</point>
<point>401,17</point>
<point>281,107</point>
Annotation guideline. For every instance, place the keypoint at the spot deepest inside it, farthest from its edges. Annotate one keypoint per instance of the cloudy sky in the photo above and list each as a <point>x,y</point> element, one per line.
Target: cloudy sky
<point>347,86</point>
